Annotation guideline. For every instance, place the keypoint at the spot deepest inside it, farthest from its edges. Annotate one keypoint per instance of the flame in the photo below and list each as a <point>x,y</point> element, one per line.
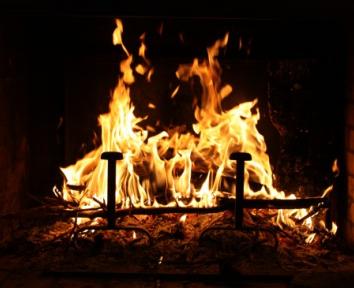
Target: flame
<point>143,68</point>
<point>335,167</point>
<point>140,69</point>
<point>152,106</point>
<point>183,218</point>
<point>174,92</point>
<point>142,48</point>
<point>117,36</point>
<point>163,164</point>
<point>334,228</point>
<point>310,238</point>
<point>149,74</point>
<point>134,235</point>
<point>240,43</point>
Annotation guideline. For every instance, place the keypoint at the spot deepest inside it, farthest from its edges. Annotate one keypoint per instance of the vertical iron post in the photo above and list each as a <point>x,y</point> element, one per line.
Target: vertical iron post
<point>240,158</point>
<point>111,157</point>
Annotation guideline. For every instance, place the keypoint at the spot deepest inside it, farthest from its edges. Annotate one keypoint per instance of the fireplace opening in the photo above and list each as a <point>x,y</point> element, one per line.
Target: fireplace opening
<point>233,204</point>
<point>301,134</point>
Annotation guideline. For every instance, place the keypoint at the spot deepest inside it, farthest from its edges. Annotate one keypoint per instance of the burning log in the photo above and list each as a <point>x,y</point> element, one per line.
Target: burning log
<point>94,213</point>
<point>237,204</point>
<point>282,203</point>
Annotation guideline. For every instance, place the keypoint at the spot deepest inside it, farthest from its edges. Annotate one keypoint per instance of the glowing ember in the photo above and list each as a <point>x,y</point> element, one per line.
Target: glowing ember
<point>334,228</point>
<point>183,218</point>
<point>174,92</point>
<point>163,164</point>
<point>310,238</point>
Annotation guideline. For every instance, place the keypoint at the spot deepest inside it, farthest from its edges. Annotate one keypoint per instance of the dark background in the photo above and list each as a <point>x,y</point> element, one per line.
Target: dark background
<point>58,67</point>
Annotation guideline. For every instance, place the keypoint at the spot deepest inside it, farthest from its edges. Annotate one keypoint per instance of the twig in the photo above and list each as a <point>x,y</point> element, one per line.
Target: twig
<point>102,204</point>
<point>313,212</point>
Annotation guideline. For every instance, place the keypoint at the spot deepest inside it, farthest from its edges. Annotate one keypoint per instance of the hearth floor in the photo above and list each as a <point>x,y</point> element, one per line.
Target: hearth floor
<point>15,271</point>
<point>45,255</point>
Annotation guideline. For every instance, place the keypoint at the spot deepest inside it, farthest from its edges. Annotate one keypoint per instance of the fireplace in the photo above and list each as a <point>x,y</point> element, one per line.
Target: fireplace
<point>62,76</point>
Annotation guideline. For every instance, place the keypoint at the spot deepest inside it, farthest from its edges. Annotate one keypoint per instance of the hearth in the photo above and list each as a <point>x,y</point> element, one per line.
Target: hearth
<point>185,194</point>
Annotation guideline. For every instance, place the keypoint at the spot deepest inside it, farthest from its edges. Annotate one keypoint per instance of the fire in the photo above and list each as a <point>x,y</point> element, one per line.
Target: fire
<point>174,93</point>
<point>335,167</point>
<point>117,36</point>
<point>183,218</point>
<point>310,238</point>
<point>334,228</point>
<point>163,164</point>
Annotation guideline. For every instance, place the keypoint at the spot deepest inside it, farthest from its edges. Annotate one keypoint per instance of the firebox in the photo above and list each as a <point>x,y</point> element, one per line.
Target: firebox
<point>174,149</point>
<point>180,154</point>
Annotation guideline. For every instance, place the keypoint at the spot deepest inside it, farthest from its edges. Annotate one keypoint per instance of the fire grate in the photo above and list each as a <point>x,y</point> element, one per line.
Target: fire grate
<point>236,205</point>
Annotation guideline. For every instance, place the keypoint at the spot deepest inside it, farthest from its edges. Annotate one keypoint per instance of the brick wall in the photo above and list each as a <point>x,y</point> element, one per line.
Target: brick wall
<point>349,226</point>
<point>13,123</point>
